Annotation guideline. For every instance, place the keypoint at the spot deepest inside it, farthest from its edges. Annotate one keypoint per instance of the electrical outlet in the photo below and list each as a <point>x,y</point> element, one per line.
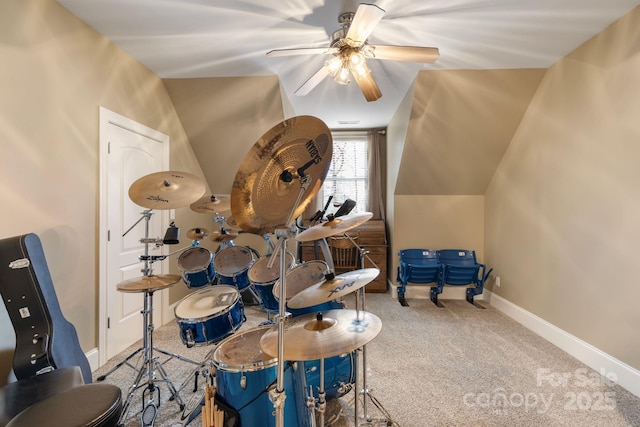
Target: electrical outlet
<point>498,281</point>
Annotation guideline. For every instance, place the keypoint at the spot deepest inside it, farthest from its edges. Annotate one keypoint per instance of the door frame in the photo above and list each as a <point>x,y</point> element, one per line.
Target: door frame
<point>108,118</point>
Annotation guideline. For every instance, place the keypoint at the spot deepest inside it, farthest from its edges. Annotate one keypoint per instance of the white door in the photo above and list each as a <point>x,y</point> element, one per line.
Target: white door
<point>131,151</point>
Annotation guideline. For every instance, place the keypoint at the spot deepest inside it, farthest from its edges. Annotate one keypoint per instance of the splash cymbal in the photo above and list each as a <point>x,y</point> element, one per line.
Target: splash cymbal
<point>334,226</point>
<point>333,289</point>
<point>268,182</point>
<point>212,204</point>
<point>166,190</point>
<point>322,335</point>
<point>197,233</point>
<point>222,236</point>
<point>148,283</point>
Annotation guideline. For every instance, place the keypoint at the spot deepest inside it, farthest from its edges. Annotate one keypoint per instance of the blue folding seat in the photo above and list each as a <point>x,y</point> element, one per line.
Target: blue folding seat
<point>417,266</point>
<point>460,268</point>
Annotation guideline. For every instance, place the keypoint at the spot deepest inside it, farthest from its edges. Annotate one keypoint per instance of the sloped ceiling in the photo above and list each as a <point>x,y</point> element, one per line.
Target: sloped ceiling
<point>460,126</point>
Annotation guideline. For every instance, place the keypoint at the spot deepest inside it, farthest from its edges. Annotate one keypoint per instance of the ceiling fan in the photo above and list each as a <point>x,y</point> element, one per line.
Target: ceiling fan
<point>350,49</point>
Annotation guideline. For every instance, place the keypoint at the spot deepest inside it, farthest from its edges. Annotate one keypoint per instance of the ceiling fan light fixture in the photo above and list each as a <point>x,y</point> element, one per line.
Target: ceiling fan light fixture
<point>334,65</point>
<point>342,77</point>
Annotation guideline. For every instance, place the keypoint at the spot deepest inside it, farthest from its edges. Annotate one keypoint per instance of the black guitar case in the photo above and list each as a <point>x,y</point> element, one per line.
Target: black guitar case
<point>45,340</point>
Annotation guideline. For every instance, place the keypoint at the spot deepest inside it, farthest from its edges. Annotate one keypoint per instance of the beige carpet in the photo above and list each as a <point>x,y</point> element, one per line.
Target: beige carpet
<point>430,366</point>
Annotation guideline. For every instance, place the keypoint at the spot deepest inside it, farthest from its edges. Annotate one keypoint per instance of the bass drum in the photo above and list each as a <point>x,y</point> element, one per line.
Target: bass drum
<point>243,375</point>
<point>209,315</point>
<point>300,278</point>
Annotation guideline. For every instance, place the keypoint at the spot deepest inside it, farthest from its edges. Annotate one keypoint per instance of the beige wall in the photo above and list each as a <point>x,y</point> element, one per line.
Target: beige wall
<point>563,209</point>
<point>56,72</point>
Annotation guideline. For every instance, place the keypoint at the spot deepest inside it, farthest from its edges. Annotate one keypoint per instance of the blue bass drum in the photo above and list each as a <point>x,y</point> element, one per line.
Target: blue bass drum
<point>209,315</point>
<point>243,375</point>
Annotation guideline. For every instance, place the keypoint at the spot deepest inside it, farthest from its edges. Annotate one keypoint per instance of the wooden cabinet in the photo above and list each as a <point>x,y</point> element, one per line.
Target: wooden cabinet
<point>372,236</point>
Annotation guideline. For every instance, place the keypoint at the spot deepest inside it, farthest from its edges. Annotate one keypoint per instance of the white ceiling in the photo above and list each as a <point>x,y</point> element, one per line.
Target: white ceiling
<point>223,38</point>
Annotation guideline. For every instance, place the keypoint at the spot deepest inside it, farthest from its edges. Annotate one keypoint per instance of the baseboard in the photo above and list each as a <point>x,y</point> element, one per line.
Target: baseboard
<point>93,358</point>
<point>624,375</point>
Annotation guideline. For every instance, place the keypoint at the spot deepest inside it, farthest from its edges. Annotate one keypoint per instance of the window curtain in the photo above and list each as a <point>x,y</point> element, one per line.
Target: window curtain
<point>375,196</point>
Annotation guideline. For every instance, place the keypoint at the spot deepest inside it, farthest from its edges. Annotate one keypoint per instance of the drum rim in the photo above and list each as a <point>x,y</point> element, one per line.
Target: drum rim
<point>210,316</point>
<point>264,258</point>
<point>242,367</point>
<point>277,296</point>
<point>204,266</point>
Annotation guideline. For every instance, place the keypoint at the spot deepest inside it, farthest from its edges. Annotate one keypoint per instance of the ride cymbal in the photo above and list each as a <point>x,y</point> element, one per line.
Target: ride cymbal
<point>333,289</point>
<point>322,335</point>
<point>334,226</point>
<point>212,204</point>
<point>166,190</point>
<point>268,181</point>
<point>197,233</point>
<point>148,283</point>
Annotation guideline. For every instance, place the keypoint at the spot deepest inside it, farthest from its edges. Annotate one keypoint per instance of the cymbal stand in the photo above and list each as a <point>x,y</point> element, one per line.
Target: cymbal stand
<point>278,395</point>
<point>366,392</point>
<point>149,363</point>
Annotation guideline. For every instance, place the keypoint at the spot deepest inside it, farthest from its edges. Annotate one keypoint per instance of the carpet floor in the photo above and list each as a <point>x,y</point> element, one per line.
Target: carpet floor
<point>453,366</point>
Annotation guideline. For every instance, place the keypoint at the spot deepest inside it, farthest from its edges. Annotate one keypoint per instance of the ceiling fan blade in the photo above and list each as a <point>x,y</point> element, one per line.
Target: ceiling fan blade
<point>368,86</point>
<point>427,55</point>
<point>313,81</point>
<point>302,51</point>
<point>364,21</point>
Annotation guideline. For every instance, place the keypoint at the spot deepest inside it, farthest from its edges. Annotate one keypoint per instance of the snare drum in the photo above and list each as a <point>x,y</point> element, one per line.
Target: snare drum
<point>196,267</point>
<point>243,373</point>
<point>300,278</point>
<point>209,315</point>
<point>232,265</point>
<point>263,278</point>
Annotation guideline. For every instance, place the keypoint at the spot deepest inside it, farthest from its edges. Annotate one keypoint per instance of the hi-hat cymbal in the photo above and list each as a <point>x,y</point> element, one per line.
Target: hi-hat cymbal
<point>222,236</point>
<point>166,190</point>
<point>268,182</point>
<point>148,283</point>
<point>319,336</point>
<point>335,226</point>
<point>333,289</point>
<point>212,204</point>
<point>197,233</point>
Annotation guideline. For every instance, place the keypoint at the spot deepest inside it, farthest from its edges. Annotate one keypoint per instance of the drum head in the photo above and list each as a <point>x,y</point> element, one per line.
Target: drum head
<point>242,352</point>
<point>260,273</point>
<point>207,302</point>
<point>233,260</point>
<point>195,259</point>
<point>301,277</point>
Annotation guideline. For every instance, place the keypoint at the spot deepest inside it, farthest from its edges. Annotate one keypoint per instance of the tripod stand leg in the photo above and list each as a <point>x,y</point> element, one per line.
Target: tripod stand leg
<point>136,384</point>
<point>172,389</point>
<point>124,362</point>
<point>175,355</point>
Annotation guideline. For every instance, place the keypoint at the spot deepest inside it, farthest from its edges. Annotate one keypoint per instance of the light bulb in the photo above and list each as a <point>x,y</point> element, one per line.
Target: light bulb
<point>334,65</point>
<point>343,76</point>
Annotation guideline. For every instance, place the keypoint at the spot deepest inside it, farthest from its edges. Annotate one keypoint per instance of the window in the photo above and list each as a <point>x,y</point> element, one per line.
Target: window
<point>348,173</point>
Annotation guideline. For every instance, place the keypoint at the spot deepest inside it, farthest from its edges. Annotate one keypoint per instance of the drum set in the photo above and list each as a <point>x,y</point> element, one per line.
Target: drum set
<point>283,372</point>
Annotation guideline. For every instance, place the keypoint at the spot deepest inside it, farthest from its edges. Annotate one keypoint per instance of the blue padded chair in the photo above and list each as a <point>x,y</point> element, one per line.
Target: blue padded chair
<point>417,266</point>
<point>460,268</point>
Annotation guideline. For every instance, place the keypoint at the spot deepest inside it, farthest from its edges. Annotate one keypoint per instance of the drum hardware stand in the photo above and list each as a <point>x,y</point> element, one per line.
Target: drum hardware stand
<point>366,392</point>
<point>277,395</point>
<point>150,363</point>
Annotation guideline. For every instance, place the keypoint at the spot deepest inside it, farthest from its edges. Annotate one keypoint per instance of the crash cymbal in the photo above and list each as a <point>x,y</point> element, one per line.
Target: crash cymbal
<point>333,289</point>
<point>334,226</point>
<point>268,182</point>
<point>212,204</point>
<point>148,283</point>
<point>197,233</point>
<point>322,335</point>
<point>166,190</point>
<point>222,236</point>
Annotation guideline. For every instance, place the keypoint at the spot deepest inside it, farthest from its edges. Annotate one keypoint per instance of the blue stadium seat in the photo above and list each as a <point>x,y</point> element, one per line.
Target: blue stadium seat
<point>460,268</point>
<point>417,266</point>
